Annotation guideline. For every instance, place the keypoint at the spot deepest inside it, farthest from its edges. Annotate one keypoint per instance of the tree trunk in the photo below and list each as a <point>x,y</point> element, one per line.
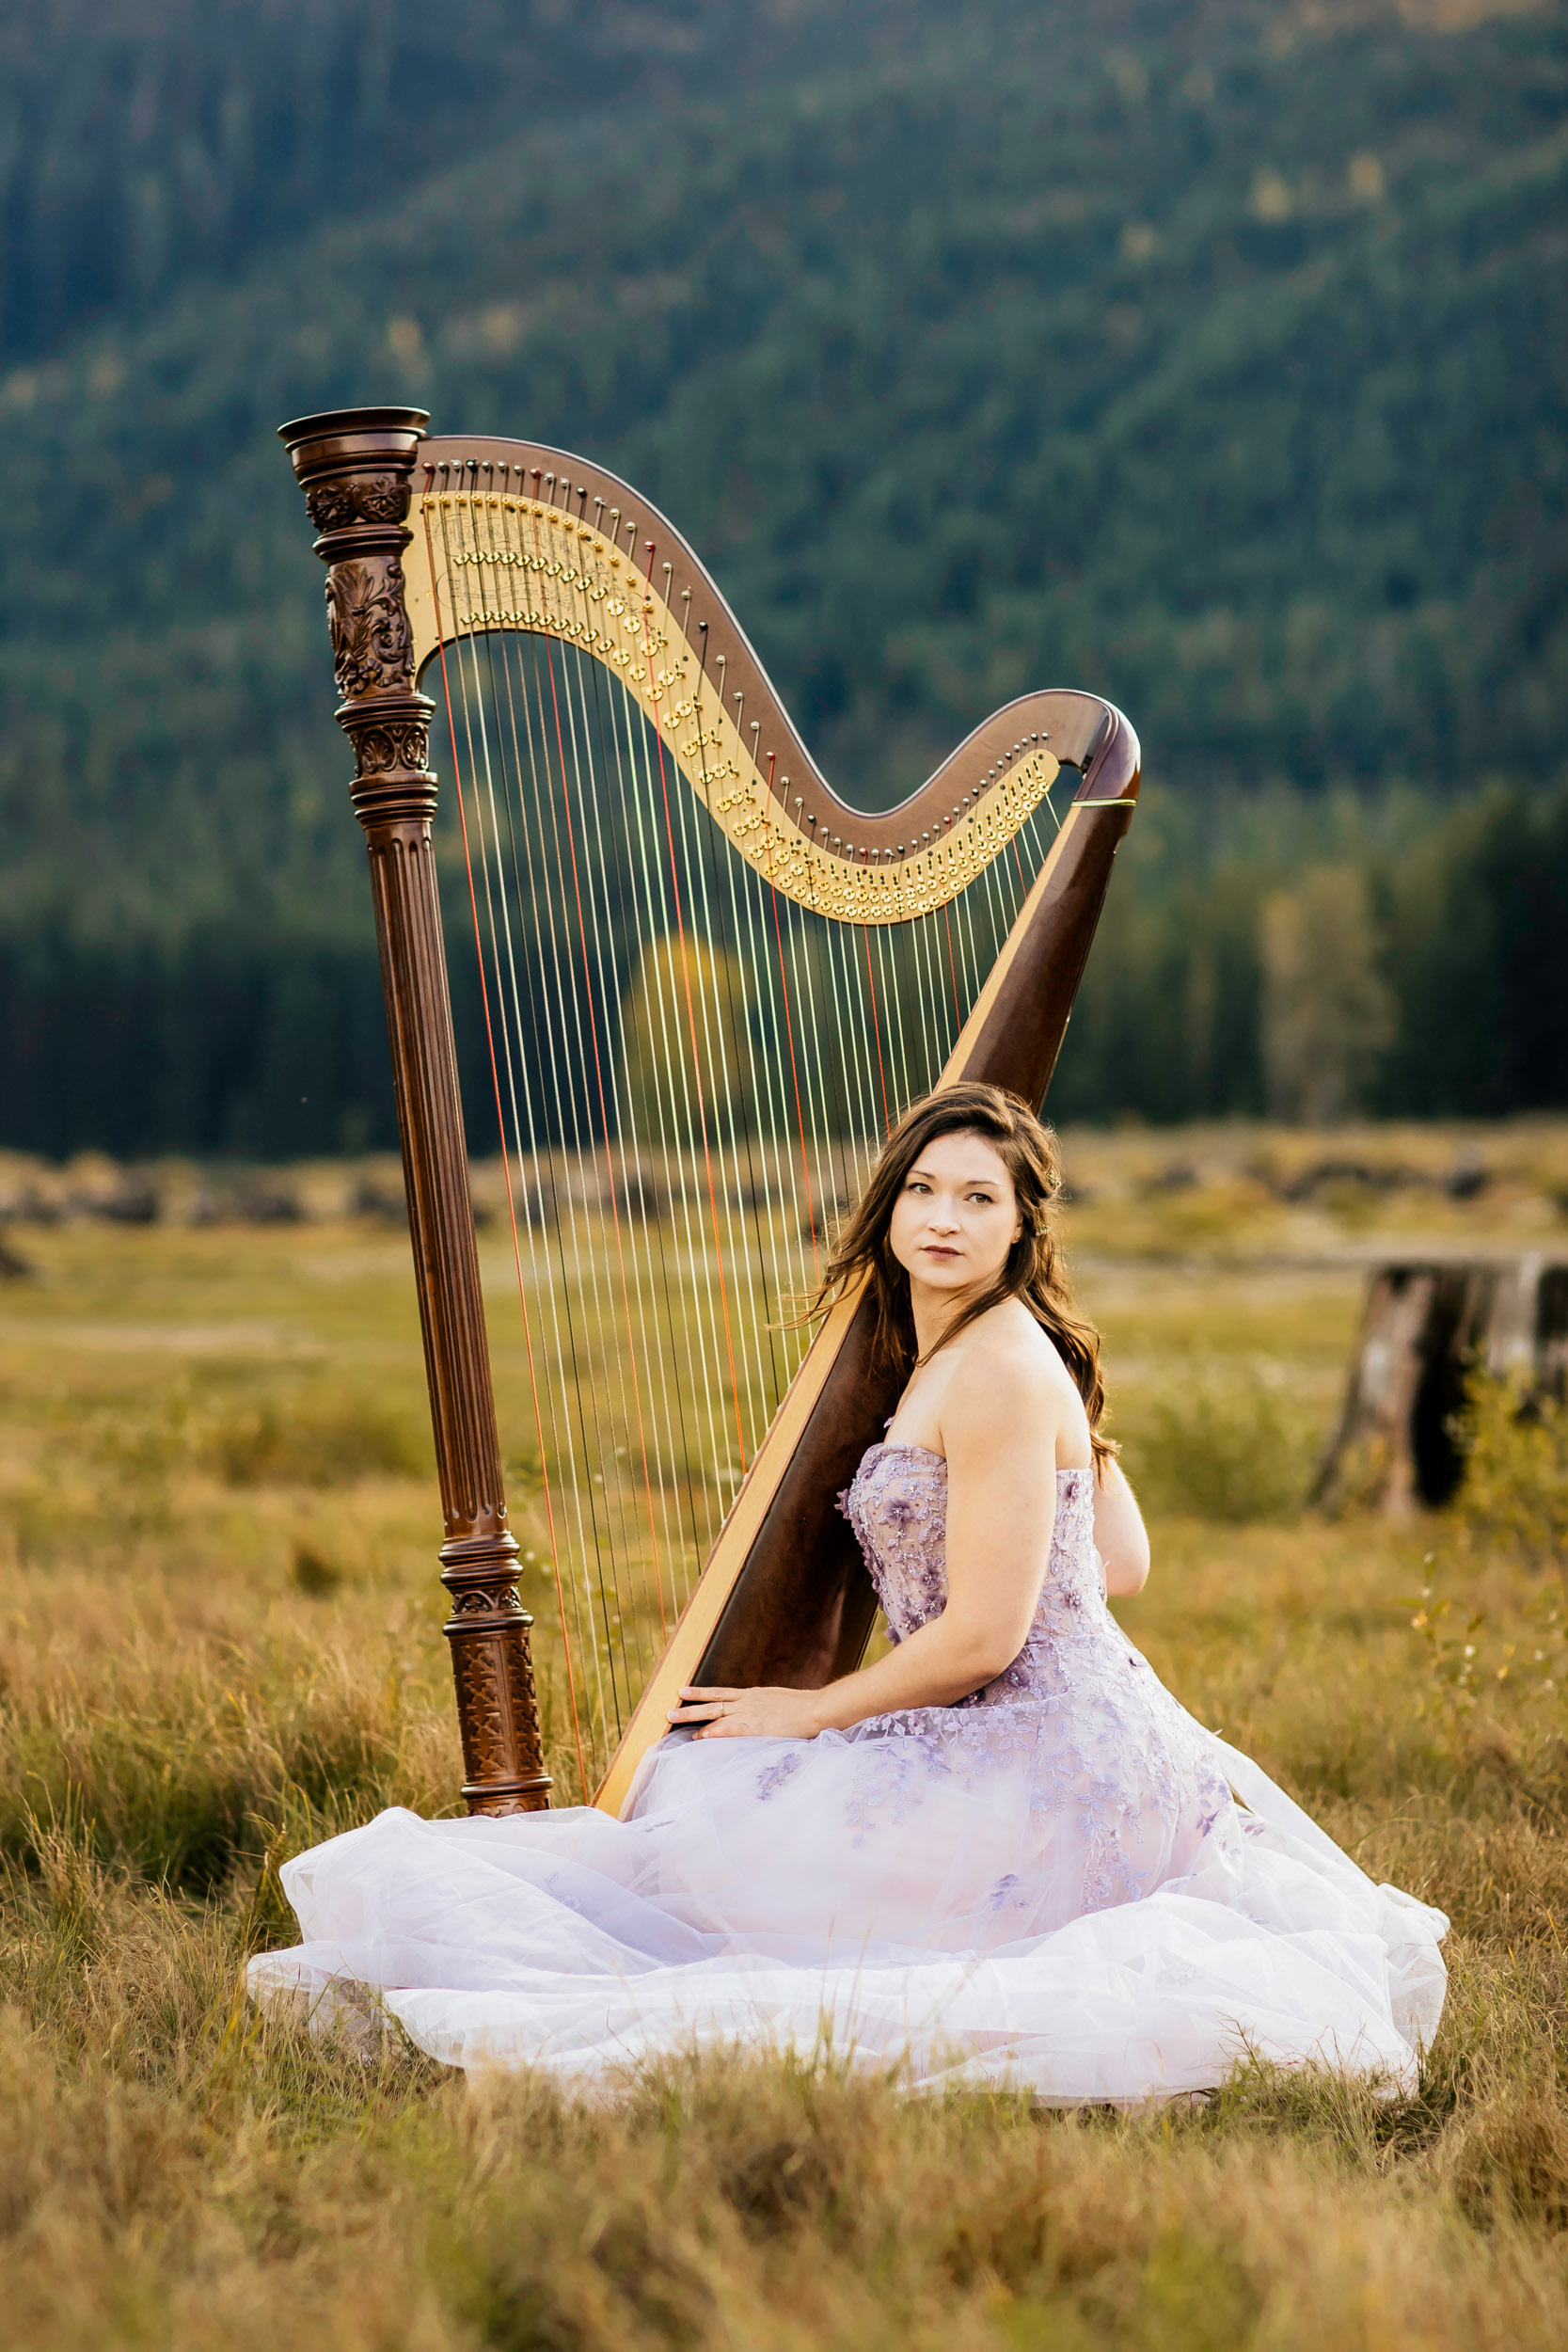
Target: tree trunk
<point>1429,1323</point>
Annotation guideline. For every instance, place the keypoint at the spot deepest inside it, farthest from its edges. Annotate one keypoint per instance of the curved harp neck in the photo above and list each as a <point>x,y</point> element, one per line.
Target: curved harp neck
<point>511,536</point>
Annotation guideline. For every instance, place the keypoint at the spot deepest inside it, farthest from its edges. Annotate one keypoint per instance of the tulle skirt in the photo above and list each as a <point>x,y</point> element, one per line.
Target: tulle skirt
<point>767,1894</point>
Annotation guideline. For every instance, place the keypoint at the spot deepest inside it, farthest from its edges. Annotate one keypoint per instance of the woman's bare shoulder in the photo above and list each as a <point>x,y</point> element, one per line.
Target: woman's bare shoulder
<point>1009,1343</point>
<point>1006,1370</point>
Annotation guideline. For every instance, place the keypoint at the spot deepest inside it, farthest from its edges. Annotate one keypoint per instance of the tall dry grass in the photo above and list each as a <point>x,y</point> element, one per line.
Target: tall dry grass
<point>219,1639</point>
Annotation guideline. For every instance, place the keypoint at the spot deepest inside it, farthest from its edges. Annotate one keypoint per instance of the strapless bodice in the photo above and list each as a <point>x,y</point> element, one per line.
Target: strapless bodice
<point>897,1505</point>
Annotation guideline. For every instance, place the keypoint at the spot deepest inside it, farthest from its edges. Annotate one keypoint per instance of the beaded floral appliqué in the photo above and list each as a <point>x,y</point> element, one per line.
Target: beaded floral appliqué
<point>1109,1756</point>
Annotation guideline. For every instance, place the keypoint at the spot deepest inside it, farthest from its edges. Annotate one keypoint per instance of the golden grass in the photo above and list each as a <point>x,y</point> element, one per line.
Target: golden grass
<point>219,1638</point>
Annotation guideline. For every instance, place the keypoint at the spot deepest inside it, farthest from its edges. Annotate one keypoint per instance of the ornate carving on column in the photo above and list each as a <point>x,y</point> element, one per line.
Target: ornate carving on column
<point>356,468</point>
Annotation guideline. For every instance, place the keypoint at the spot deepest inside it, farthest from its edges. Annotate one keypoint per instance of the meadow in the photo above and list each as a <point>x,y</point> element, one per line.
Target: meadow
<point>219,1639</point>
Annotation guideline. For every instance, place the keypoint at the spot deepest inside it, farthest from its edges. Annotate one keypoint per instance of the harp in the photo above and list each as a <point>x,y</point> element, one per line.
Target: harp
<point>707,985</point>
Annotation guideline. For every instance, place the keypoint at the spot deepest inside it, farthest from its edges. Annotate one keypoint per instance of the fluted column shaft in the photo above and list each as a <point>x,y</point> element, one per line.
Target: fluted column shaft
<point>356,468</point>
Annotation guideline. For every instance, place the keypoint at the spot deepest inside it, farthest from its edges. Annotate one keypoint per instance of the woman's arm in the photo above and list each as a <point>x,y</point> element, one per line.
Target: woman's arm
<point>1120,1537</point>
<point>1000,1437</point>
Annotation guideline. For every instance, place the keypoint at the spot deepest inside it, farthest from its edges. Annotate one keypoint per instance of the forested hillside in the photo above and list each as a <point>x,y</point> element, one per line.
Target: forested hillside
<point>1214,357</point>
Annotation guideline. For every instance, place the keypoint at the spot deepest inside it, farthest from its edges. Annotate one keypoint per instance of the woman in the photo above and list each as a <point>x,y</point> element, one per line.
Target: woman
<point>1001,1853</point>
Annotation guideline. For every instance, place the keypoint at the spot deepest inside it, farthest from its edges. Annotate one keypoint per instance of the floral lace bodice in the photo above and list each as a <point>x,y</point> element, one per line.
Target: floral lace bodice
<point>1103,1745</point>
<point>897,1506</point>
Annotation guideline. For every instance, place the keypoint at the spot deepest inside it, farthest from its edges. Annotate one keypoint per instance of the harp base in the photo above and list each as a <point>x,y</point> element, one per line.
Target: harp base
<point>520,1796</point>
<point>498,1705</point>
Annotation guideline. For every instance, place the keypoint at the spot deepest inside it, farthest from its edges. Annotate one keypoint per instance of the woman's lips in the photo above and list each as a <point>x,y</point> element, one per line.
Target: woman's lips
<point>936,1250</point>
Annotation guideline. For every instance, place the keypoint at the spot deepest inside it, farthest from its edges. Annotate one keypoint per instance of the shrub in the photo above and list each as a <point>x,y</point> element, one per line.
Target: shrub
<point>1514,1491</point>
<point>313,1442</point>
<point>1226,1442</point>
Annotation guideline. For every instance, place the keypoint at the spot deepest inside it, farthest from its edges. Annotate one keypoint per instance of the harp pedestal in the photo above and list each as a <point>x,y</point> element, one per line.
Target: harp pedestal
<point>356,472</point>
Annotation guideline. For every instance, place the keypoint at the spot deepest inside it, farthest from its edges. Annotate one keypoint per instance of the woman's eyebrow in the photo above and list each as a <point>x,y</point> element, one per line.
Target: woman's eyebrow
<point>966,1184</point>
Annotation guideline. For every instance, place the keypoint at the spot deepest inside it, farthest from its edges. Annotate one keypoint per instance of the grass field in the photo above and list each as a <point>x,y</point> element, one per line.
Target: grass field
<point>219,1638</point>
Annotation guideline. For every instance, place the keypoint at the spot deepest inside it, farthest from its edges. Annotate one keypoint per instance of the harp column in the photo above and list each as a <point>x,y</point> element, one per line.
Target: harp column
<point>356,468</point>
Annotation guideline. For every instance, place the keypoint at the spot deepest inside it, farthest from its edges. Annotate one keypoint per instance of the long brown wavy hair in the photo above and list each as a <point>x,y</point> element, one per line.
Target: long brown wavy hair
<point>1034,1271</point>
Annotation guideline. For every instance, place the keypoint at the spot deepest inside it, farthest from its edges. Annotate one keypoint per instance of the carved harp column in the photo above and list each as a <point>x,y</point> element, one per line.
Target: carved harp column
<point>356,468</point>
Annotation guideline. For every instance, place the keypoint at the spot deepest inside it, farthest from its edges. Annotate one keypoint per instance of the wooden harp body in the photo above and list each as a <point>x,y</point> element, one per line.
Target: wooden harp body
<point>708,985</point>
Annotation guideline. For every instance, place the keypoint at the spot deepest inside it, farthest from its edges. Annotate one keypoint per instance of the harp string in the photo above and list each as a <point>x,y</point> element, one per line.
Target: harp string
<point>876,1026</point>
<point>606,1125</point>
<point>601,1548</point>
<point>682,870</point>
<point>560,800</point>
<point>722,999</point>
<point>481,782</point>
<point>518,1064</point>
<point>624,918</point>
<point>650,924</point>
<point>766,1072</point>
<point>691,1022</point>
<point>522,1293</point>
<point>595,1425</point>
<point>608,869</point>
<point>661,966</point>
<point>887,958</point>
<point>753,1044</point>
<point>584,1313</point>
<point>548,1215</point>
<point>660,1011</point>
<point>661,971</point>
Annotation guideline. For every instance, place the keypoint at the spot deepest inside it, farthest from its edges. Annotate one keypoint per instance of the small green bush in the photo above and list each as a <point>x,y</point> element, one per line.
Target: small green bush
<point>1226,1442</point>
<point>314,1573</point>
<point>311,1442</point>
<point>1514,1491</point>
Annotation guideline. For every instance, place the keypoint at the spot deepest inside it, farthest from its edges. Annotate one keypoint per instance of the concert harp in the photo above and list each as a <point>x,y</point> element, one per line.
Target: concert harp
<point>708,985</point>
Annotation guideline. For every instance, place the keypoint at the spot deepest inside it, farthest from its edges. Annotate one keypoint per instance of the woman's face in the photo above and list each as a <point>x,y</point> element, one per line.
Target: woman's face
<point>957,1216</point>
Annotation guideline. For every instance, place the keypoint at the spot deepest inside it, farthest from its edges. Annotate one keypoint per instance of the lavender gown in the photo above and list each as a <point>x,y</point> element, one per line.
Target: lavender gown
<point>1050,1885</point>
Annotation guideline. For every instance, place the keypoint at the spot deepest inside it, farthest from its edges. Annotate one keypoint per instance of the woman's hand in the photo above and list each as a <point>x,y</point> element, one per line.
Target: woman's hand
<point>766,1714</point>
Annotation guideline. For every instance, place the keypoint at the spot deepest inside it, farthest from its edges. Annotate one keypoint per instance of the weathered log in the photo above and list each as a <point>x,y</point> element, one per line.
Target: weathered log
<point>1429,1324</point>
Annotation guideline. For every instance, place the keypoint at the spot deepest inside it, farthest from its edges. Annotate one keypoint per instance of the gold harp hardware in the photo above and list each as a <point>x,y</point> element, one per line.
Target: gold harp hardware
<point>707,985</point>
<point>507,574</point>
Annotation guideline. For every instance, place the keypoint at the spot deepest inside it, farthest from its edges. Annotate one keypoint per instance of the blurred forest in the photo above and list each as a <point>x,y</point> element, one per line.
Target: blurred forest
<point>1210,354</point>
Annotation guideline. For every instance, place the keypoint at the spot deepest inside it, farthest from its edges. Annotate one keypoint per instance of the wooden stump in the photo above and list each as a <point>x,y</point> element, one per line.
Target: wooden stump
<point>1429,1323</point>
